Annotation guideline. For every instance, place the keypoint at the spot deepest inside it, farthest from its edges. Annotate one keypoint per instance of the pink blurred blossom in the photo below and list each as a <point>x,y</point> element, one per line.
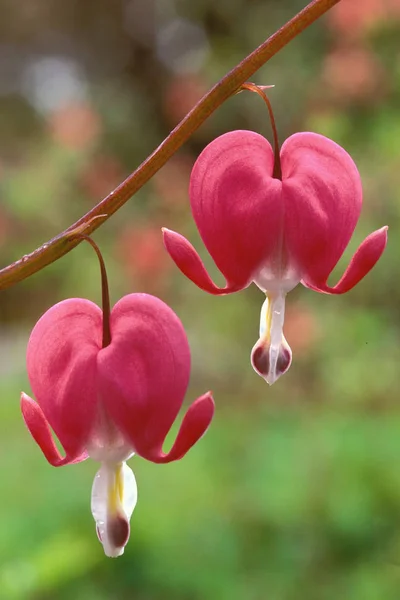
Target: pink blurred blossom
<point>182,94</point>
<point>143,255</point>
<point>101,176</point>
<point>353,73</point>
<point>354,18</point>
<point>171,183</point>
<point>75,126</point>
<point>302,329</point>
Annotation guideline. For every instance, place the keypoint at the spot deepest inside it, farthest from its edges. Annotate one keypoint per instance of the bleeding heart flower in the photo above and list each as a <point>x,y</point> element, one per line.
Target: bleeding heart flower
<point>276,219</point>
<point>110,400</point>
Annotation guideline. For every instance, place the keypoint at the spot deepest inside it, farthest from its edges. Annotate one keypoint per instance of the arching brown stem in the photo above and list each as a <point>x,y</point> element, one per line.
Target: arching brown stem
<point>105,294</point>
<point>252,87</point>
<point>228,85</point>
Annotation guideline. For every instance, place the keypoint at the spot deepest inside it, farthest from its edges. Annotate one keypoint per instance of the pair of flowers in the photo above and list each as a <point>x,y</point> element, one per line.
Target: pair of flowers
<point>111,384</point>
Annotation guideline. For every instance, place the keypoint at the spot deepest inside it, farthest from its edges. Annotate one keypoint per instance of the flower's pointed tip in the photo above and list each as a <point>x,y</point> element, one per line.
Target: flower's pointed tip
<point>272,378</point>
<point>205,407</point>
<point>24,399</point>
<point>196,421</point>
<point>381,237</point>
<point>207,400</point>
<point>275,375</point>
<point>384,232</point>
<point>270,362</point>
<point>169,234</point>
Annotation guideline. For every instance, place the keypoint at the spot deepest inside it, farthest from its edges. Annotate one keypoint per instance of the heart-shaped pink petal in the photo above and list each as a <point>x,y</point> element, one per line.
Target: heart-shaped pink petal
<point>237,204</point>
<point>143,376</point>
<point>323,196</point>
<point>61,360</point>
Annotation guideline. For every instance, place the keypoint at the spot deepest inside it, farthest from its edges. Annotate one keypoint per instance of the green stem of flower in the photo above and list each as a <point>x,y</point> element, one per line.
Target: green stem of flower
<point>226,87</point>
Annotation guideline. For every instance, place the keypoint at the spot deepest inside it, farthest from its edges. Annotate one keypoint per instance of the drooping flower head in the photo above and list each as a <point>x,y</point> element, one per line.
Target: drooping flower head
<point>110,395</point>
<point>275,218</point>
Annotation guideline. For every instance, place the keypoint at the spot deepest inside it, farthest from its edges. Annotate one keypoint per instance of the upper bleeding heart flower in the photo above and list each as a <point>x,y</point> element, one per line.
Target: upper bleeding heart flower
<point>110,397</point>
<point>276,219</point>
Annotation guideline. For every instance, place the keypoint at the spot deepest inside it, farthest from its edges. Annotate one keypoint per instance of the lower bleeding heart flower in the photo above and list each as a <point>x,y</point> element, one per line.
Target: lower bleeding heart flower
<point>110,384</point>
<point>275,218</point>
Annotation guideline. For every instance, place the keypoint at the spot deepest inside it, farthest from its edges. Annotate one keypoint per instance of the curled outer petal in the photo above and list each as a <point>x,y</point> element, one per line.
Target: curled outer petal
<point>190,263</point>
<point>61,359</point>
<point>237,205</point>
<point>367,255</point>
<point>143,376</point>
<point>323,197</point>
<point>41,433</point>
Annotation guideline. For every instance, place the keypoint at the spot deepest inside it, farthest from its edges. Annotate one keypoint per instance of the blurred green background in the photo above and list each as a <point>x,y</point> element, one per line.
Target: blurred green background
<point>294,494</point>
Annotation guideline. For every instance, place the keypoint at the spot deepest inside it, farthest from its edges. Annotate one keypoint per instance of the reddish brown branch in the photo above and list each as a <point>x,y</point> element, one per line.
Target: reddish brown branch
<point>228,85</point>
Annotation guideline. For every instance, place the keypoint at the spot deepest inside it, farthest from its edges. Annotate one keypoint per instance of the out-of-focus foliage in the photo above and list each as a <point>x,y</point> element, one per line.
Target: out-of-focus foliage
<point>295,491</point>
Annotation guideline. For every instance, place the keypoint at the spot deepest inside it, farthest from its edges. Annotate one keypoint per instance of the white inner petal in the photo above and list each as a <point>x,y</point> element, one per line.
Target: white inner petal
<point>114,497</point>
<point>263,317</point>
<point>271,355</point>
<point>276,334</point>
<point>107,444</point>
<point>277,319</point>
<point>284,281</point>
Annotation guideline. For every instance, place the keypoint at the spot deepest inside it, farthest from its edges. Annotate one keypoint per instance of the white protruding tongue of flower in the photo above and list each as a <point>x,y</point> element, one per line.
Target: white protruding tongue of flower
<point>114,497</point>
<point>271,356</point>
